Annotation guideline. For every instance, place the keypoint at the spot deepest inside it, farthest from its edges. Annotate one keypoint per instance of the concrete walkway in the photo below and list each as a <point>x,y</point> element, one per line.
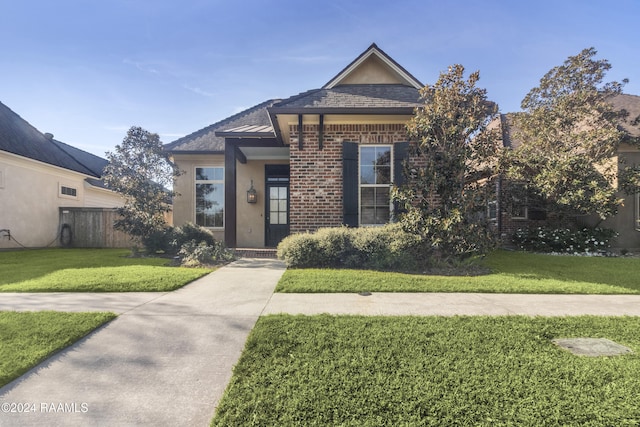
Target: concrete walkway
<point>166,360</point>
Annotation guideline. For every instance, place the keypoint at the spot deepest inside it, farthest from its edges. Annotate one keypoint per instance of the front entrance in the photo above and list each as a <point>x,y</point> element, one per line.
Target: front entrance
<point>277,204</point>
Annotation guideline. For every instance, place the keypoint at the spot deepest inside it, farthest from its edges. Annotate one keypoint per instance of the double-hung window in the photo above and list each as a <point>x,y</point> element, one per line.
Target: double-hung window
<point>375,184</point>
<point>210,196</point>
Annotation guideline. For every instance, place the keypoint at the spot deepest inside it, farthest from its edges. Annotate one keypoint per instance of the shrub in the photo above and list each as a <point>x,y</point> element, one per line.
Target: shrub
<point>300,250</point>
<point>194,254</point>
<point>564,240</point>
<point>188,232</point>
<point>377,248</point>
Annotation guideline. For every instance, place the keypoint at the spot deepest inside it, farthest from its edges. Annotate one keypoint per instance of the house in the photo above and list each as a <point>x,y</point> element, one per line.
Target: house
<point>327,157</point>
<point>322,158</point>
<point>524,212</point>
<point>41,179</point>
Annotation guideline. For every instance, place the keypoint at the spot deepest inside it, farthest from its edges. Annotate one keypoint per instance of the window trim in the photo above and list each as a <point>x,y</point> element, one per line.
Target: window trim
<point>197,181</point>
<point>360,185</point>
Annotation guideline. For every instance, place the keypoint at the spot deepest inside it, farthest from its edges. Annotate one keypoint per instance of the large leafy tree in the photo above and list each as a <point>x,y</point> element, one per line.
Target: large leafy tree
<point>142,173</point>
<point>568,138</point>
<point>453,155</point>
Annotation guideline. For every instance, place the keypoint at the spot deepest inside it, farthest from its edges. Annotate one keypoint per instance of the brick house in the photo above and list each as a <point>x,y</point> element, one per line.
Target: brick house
<point>322,158</point>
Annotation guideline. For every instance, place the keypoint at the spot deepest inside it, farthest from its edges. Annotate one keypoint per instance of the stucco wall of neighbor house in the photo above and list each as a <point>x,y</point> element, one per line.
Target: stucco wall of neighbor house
<point>625,221</point>
<point>184,204</point>
<point>250,224</point>
<point>30,197</point>
<point>316,174</point>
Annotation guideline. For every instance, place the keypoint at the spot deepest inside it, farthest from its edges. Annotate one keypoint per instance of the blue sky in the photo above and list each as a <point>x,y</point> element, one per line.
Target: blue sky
<point>88,70</point>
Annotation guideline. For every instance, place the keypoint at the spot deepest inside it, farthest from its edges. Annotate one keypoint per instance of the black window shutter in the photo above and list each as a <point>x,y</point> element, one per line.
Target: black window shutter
<point>400,154</point>
<point>350,184</point>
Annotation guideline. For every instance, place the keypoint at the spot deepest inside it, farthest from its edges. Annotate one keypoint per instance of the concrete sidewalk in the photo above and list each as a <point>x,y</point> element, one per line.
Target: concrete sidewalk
<point>451,304</point>
<point>167,358</point>
<point>165,361</point>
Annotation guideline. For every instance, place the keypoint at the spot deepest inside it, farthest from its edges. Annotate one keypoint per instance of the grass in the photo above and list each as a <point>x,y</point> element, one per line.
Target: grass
<point>30,337</point>
<point>89,270</point>
<point>423,371</point>
<point>511,272</point>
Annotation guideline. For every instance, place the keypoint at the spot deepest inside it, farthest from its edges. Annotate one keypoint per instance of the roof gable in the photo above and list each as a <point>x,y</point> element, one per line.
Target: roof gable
<point>374,66</point>
<point>18,137</point>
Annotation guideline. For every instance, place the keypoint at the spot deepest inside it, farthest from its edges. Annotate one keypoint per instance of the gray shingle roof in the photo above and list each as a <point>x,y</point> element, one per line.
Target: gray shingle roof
<point>630,103</point>
<point>356,96</point>
<point>205,140</point>
<point>17,136</point>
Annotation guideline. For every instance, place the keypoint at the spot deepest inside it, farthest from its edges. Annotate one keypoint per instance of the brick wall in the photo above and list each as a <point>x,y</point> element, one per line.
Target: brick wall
<point>316,175</point>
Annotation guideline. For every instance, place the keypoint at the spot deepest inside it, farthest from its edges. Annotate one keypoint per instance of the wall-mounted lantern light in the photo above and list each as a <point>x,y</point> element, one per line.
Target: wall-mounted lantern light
<point>252,194</point>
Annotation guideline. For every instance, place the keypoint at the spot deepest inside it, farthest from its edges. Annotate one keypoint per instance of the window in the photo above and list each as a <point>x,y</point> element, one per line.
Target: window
<point>375,184</point>
<point>518,206</point>
<point>210,196</point>
<point>67,192</point>
<point>492,210</point>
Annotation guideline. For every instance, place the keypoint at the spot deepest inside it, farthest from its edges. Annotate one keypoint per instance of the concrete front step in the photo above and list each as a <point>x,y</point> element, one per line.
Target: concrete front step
<point>255,252</point>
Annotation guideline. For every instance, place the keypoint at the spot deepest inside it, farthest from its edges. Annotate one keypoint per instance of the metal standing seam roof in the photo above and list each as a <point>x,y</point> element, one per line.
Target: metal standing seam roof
<point>206,139</point>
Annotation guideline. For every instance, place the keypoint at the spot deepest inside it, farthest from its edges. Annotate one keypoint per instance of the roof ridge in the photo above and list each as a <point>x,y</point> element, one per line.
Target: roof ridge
<point>60,145</point>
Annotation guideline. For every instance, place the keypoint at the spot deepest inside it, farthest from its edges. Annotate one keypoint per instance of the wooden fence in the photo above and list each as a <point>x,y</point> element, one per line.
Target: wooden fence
<point>91,228</point>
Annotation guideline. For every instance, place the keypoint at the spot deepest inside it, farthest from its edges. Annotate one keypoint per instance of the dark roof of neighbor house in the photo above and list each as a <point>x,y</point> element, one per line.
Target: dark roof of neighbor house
<point>18,137</point>
<point>206,140</point>
<point>354,96</point>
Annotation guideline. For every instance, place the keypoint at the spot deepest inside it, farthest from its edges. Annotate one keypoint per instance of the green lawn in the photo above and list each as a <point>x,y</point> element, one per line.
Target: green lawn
<point>89,270</point>
<point>432,371</point>
<point>511,272</point>
<point>27,338</point>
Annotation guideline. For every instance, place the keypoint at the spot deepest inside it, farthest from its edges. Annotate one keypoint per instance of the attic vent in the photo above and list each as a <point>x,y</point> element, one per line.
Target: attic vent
<point>48,135</point>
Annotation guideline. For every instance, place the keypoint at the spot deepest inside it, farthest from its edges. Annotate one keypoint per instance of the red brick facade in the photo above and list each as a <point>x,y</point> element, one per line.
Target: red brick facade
<point>316,174</point>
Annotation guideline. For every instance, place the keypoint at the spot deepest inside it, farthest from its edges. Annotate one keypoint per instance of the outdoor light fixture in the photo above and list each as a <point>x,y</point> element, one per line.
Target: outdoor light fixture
<point>252,194</point>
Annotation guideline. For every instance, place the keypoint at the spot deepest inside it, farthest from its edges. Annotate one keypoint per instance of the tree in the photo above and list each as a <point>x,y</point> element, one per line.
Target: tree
<point>569,135</point>
<point>453,155</point>
<point>141,172</point>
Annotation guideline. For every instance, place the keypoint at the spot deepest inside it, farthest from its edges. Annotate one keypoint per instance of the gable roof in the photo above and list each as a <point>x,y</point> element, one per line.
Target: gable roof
<point>18,137</point>
<point>371,84</point>
<point>206,140</point>
<point>386,71</point>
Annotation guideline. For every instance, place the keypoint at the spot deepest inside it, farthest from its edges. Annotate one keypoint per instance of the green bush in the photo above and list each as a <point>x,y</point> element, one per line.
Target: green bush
<point>170,240</point>
<point>300,250</point>
<point>187,233</point>
<point>376,248</point>
<point>564,240</point>
<point>194,254</point>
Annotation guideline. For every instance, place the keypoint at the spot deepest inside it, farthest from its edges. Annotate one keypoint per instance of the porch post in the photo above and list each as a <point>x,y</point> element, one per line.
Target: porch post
<point>229,194</point>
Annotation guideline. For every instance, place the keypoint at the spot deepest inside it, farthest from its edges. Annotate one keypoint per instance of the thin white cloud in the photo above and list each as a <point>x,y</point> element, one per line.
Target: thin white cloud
<point>198,91</point>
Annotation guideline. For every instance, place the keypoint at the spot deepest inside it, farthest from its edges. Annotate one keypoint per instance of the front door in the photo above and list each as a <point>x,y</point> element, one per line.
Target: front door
<point>277,205</point>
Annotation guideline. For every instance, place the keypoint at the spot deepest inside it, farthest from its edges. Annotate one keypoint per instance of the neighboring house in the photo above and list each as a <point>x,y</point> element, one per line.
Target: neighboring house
<point>38,176</point>
<point>523,212</point>
<point>323,158</point>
